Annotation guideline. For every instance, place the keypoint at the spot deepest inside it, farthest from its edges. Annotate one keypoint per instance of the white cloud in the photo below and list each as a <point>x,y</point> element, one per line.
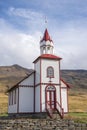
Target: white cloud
<point>25,13</point>
<point>27,19</point>
<point>17,47</point>
<point>72,47</point>
<point>22,48</point>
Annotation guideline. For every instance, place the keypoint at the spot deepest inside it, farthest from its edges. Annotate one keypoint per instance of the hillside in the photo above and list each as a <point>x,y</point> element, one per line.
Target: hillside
<point>77,78</point>
<point>10,75</point>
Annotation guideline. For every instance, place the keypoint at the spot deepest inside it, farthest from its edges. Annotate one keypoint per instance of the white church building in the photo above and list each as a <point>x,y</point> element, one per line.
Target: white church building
<point>43,91</point>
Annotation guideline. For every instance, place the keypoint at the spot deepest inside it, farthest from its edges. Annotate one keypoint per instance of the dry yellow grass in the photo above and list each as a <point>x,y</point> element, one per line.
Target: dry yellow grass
<point>3,103</point>
<point>78,102</point>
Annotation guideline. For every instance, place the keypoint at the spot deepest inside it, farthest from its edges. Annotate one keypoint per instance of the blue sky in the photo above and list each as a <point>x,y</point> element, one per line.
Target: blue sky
<point>22,23</point>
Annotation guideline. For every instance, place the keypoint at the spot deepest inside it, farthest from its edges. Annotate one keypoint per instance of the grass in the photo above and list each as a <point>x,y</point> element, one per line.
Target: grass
<point>80,117</point>
<point>3,103</point>
<point>78,101</point>
<point>78,106</point>
<point>4,115</point>
<point>78,114</point>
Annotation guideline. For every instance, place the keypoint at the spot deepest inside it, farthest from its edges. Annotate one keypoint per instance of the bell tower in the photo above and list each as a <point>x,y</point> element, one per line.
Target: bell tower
<point>46,44</point>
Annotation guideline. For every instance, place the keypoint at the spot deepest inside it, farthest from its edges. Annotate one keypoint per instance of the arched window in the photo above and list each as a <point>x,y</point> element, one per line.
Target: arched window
<point>43,50</point>
<point>48,49</point>
<point>50,72</point>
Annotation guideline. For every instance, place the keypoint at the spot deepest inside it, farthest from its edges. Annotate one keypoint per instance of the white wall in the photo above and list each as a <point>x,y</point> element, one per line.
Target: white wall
<point>37,68</point>
<point>44,65</point>
<point>28,81</point>
<point>12,108</point>
<point>64,97</point>
<point>43,98</point>
<point>26,99</point>
<point>58,93</point>
<point>37,99</point>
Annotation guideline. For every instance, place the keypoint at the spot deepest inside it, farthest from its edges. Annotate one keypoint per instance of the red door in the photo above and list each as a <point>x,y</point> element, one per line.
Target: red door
<point>51,97</point>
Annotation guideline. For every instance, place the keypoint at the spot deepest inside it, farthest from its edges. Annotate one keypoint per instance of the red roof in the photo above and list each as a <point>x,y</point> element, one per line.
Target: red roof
<point>46,36</point>
<point>48,56</point>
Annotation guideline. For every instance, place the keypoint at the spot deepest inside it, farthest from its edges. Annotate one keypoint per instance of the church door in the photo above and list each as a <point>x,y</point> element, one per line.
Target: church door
<point>51,97</point>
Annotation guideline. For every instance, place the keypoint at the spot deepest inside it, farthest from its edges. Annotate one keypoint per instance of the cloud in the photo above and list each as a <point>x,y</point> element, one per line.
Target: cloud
<point>26,18</point>
<point>71,45</point>
<point>22,48</point>
<point>25,13</point>
<point>67,24</point>
<point>17,47</point>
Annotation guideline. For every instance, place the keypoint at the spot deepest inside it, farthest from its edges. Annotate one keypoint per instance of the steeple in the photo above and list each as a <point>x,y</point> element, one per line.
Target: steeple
<point>46,36</point>
<point>46,44</point>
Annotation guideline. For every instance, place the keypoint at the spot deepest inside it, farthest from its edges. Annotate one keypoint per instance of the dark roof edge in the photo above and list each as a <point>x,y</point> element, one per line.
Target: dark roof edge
<point>65,83</point>
<point>20,81</point>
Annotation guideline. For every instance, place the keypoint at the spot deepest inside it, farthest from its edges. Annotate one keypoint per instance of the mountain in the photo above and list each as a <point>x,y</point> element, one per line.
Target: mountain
<point>10,75</point>
<point>77,78</point>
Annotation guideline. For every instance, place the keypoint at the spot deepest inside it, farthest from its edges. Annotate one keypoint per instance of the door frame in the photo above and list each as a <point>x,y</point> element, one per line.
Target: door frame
<point>49,102</point>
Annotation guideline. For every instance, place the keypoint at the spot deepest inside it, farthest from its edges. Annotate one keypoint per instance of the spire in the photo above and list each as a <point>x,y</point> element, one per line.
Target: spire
<point>46,44</point>
<point>46,36</point>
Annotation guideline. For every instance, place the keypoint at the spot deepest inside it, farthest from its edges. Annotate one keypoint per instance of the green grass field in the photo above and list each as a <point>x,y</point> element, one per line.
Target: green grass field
<point>80,117</point>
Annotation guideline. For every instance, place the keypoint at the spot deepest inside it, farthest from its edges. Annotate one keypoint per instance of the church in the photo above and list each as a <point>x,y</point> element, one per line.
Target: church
<point>43,90</point>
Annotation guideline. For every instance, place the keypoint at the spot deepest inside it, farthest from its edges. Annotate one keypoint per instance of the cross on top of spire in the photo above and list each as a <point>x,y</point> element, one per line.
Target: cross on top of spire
<point>46,22</point>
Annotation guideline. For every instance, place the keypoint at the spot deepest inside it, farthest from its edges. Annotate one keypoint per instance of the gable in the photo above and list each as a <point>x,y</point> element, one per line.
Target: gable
<point>25,81</point>
<point>64,84</point>
<point>29,81</point>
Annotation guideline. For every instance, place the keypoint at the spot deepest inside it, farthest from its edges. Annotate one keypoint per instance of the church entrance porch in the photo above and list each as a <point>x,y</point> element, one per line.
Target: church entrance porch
<point>52,105</point>
<point>50,97</point>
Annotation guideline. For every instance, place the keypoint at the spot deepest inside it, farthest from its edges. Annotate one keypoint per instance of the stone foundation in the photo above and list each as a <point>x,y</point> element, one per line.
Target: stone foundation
<point>27,123</point>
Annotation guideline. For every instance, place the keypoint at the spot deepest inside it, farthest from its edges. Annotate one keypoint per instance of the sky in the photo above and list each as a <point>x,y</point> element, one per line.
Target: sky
<point>22,24</point>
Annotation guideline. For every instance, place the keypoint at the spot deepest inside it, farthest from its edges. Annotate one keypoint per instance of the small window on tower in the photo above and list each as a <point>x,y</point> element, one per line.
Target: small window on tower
<point>43,50</point>
<point>50,72</point>
<point>48,48</point>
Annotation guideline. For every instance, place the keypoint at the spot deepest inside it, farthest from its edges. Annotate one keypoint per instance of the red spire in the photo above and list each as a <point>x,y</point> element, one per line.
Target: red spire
<point>46,36</point>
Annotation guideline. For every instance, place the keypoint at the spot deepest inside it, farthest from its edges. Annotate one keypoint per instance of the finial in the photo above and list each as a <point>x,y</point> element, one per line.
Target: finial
<point>46,21</point>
